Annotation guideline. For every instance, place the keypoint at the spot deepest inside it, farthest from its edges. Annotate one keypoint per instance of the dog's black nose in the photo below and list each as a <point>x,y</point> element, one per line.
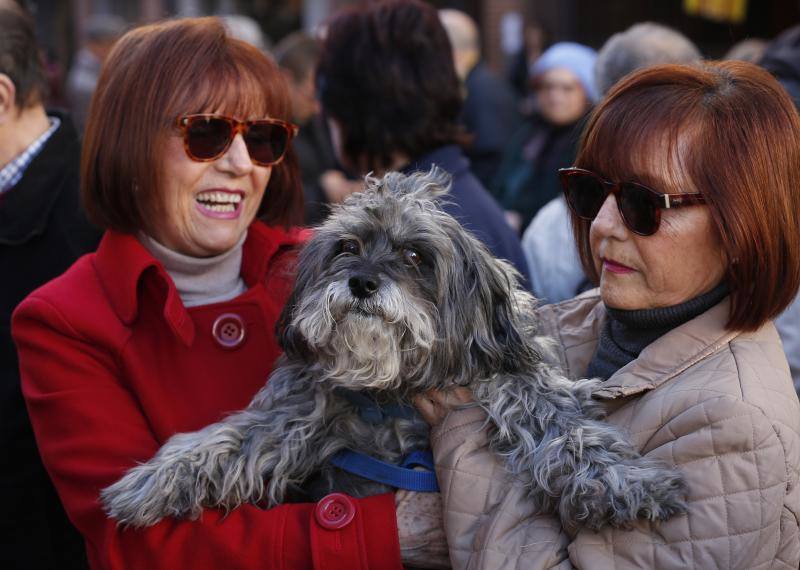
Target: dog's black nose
<point>363,285</point>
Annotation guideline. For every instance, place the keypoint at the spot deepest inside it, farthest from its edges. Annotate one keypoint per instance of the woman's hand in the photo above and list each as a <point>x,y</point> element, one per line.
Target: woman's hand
<point>420,527</point>
<point>434,405</point>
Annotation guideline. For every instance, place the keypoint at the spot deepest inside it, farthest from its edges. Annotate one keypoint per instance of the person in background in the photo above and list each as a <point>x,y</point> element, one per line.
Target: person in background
<point>324,182</point>
<point>782,59</point>
<point>548,243</point>
<point>750,49</point>
<point>390,91</point>
<point>246,29</point>
<point>687,215</point>
<point>490,106</point>
<point>563,78</point>
<point>642,45</point>
<point>535,40</point>
<point>43,230</point>
<point>788,325</point>
<point>170,325</point>
<point>102,30</point>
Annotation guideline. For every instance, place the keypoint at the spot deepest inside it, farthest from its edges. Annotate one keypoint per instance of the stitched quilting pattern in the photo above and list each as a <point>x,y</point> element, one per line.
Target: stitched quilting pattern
<point>731,423</point>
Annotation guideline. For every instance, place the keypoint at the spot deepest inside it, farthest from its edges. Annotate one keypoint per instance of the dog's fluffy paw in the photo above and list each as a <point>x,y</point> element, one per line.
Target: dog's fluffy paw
<point>623,495</point>
<point>649,493</point>
<point>664,498</point>
<point>145,495</point>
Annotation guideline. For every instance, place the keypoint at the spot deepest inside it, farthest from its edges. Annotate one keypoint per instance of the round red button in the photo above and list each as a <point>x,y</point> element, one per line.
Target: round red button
<point>335,511</point>
<point>228,330</point>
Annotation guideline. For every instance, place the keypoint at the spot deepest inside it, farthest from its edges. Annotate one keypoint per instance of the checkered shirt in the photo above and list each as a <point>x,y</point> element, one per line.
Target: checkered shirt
<point>12,172</point>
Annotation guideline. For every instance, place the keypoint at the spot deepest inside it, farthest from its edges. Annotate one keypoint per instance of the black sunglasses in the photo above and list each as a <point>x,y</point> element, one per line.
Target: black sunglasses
<point>639,206</point>
<point>207,137</point>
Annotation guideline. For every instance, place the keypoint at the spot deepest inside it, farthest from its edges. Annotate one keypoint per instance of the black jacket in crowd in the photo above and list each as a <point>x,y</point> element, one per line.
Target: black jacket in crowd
<point>528,176</point>
<point>470,203</point>
<point>314,152</point>
<point>42,232</point>
<point>490,115</point>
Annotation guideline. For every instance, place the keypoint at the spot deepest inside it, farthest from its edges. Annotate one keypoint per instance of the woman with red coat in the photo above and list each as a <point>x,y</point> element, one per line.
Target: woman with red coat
<point>169,325</point>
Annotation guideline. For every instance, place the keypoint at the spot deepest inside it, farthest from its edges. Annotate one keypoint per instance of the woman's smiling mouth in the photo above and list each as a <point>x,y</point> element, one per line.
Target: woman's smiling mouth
<point>219,203</point>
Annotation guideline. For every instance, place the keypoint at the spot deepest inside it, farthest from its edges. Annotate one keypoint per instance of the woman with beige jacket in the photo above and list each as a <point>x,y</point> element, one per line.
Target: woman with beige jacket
<point>685,202</point>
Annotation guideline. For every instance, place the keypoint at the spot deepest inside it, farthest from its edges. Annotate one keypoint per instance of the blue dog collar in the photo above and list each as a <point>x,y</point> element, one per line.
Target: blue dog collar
<point>371,411</point>
<point>400,476</point>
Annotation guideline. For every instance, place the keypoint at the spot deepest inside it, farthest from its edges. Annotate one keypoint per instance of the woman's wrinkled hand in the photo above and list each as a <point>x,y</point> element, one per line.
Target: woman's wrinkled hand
<point>423,543</point>
<point>434,405</point>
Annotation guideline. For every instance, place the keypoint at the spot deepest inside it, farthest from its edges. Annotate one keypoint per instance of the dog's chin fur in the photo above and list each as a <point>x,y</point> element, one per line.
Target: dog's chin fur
<point>366,344</point>
<point>364,353</point>
<point>440,311</point>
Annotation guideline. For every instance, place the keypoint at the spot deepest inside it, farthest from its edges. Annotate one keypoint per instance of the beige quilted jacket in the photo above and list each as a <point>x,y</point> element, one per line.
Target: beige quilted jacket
<point>719,405</point>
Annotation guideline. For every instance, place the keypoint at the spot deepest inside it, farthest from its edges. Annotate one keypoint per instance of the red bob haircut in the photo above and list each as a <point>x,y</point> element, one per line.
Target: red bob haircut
<point>154,74</point>
<point>734,134</point>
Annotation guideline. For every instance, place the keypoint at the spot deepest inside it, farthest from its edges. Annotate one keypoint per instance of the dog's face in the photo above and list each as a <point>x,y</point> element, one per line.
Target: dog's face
<point>393,293</point>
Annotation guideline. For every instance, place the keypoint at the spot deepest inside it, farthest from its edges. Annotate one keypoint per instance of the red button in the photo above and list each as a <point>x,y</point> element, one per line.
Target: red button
<point>228,330</point>
<point>335,511</point>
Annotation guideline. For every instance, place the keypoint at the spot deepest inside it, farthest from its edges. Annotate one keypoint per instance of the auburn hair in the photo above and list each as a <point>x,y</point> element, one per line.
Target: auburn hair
<point>153,75</point>
<point>734,133</point>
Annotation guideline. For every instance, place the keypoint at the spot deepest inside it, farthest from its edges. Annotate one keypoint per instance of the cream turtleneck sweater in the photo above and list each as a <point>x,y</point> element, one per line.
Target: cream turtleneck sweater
<point>201,280</point>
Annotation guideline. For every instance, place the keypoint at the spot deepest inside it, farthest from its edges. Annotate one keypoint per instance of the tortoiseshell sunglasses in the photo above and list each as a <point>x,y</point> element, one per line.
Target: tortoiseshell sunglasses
<point>639,206</point>
<point>207,137</point>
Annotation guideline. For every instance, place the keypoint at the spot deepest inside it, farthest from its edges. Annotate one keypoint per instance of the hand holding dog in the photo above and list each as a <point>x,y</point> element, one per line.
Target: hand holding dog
<point>420,528</point>
<point>434,405</point>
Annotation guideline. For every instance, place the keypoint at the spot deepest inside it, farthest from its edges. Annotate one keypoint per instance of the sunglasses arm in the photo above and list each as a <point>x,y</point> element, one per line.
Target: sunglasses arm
<point>677,200</point>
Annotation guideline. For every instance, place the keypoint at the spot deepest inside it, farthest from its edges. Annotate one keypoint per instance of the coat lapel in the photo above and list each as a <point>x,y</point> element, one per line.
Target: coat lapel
<point>578,324</point>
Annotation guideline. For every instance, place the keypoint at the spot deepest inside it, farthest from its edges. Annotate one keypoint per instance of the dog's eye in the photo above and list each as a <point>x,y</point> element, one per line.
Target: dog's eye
<point>411,257</point>
<point>350,246</point>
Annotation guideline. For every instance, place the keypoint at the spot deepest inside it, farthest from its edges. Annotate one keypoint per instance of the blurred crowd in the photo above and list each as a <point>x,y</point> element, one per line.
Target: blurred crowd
<point>502,137</point>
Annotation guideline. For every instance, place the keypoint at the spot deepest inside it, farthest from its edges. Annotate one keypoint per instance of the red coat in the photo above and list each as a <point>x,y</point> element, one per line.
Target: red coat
<point>113,364</point>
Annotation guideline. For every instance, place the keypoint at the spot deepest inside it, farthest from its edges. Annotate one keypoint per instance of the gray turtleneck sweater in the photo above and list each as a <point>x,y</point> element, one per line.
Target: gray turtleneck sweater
<point>626,333</point>
<point>201,280</point>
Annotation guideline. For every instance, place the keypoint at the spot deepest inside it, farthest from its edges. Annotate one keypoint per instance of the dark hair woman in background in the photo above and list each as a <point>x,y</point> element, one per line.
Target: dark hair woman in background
<point>389,88</point>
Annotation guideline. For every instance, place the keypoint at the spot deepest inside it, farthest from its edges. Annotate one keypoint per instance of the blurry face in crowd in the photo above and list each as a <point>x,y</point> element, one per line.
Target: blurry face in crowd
<point>304,100</point>
<point>206,207</point>
<point>682,260</point>
<point>560,96</point>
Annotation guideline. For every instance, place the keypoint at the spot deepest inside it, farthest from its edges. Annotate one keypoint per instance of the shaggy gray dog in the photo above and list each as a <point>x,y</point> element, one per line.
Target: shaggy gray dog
<point>393,297</point>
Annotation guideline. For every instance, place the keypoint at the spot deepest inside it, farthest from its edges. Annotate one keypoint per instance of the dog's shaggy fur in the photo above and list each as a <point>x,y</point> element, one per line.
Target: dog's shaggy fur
<point>393,297</point>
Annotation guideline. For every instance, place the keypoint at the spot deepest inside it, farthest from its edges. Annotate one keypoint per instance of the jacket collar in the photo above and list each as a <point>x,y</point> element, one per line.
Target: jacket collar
<point>658,363</point>
<point>25,208</point>
<point>125,267</point>
<point>450,158</point>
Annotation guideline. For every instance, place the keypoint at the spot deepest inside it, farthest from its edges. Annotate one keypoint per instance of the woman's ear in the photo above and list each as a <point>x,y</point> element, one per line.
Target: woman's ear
<point>8,94</point>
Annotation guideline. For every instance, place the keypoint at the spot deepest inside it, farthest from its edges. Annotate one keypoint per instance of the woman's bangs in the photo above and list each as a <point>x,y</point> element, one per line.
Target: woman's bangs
<point>649,145</point>
<point>244,90</point>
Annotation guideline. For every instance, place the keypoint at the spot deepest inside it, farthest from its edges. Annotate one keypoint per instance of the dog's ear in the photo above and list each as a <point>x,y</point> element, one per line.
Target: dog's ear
<point>487,309</point>
<point>308,266</point>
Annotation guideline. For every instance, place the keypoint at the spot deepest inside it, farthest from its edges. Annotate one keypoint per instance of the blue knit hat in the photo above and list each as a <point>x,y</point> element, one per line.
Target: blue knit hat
<point>579,59</point>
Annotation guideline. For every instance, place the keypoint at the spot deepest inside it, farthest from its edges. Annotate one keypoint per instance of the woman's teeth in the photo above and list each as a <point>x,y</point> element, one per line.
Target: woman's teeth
<point>220,207</point>
<point>219,201</point>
